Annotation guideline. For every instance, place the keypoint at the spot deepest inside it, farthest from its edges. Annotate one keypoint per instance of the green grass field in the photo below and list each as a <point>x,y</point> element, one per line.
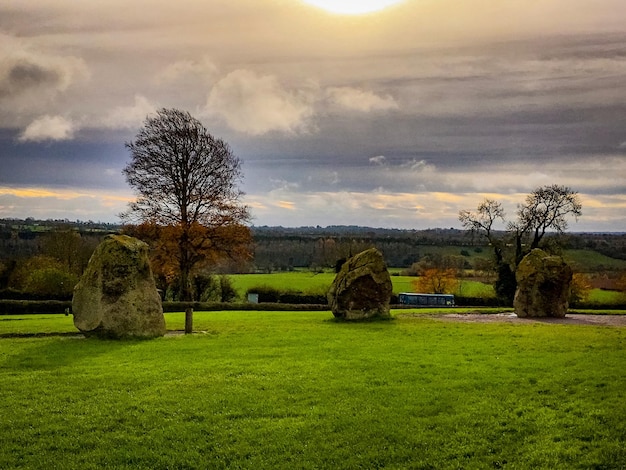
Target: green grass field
<point>591,261</point>
<point>604,297</point>
<point>299,281</point>
<point>318,283</point>
<point>299,390</point>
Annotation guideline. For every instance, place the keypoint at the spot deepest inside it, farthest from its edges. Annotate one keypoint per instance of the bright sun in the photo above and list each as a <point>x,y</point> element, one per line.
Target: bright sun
<point>352,7</point>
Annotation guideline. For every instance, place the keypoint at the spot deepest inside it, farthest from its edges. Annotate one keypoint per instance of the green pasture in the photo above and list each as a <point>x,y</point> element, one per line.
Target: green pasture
<point>606,297</point>
<point>269,390</point>
<point>592,261</point>
<point>580,260</point>
<point>309,282</point>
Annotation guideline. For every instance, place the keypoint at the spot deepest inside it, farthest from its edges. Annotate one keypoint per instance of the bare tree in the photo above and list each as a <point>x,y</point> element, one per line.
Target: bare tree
<point>482,222</point>
<point>185,179</point>
<point>545,209</point>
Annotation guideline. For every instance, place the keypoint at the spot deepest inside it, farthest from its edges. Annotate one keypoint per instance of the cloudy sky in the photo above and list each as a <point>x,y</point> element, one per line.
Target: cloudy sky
<point>398,118</point>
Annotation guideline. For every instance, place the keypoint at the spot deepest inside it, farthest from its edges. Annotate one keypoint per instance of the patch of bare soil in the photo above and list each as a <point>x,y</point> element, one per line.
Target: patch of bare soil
<point>570,319</point>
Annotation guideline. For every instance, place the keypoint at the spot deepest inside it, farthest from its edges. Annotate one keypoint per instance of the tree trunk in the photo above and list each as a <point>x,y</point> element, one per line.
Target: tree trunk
<point>186,291</point>
<point>188,320</point>
<point>187,297</point>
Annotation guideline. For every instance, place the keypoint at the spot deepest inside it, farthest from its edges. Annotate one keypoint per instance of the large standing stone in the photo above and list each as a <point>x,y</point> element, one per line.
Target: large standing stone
<point>362,288</point>
<point>543,286</point>
<point>116,296</point>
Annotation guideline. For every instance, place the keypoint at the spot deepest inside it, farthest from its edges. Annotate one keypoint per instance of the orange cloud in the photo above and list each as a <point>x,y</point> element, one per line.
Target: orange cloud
<point>286,205</point>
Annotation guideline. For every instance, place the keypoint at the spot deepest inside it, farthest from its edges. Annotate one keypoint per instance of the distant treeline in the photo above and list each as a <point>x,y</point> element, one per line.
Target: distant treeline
<point>281,248</point>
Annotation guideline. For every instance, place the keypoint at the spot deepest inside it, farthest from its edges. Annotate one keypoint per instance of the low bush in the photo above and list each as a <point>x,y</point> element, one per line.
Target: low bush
<point>266,293</point>
<point>14,294</point>
<point>294,298</point>
<point>591,305</point>
<point>26,307</point>
<point>171,307</point>
<point>11,294</point>
<point>51,282</point>
<point>467,301</point>
<point>214,288</point>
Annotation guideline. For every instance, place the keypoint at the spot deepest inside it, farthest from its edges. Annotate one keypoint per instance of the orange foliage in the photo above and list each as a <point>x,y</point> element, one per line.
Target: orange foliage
<point>579,288</point>
<point>436,281</point>
<point>208,246</point>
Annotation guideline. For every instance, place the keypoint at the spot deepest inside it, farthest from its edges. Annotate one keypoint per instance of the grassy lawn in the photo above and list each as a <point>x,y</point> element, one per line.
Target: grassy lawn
<point>299,390</point>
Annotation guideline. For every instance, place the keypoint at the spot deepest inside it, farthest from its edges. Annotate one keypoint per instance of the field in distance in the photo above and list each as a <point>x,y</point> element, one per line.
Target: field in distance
<point>309,282</point>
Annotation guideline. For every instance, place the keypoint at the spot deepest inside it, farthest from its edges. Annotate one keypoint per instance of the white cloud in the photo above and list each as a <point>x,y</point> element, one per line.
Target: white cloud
<point>124,117</point>
<point>360,100</point>
<point>283,185</point>
<point>378,160</point>
<point>417,165</point>
<point>257,104</point>
<point>48,128</point>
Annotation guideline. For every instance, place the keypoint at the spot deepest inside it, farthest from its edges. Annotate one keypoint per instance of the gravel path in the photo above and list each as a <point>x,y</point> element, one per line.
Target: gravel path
<point>570,319</point>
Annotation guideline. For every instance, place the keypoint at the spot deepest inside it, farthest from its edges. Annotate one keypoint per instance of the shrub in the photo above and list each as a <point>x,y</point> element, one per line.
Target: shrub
<point>25,307</point>
<point>206,288</point>
<point>298,299</point>
<point>579,289</point>
<point>219,306</point>
<point>228,291</point>
<point>24,269</point>
<point>466,301</point>
<point>51,283</point>
<point>266,293</point>
<point>12,294</point>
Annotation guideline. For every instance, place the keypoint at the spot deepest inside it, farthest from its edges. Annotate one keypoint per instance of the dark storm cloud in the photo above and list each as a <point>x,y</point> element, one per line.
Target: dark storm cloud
<point>23,76</point>
<point>63,164</point>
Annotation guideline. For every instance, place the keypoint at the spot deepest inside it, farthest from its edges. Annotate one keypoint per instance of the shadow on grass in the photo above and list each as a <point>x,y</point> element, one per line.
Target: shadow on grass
<point>51,351</point>
<point>41,335</point>
<point>360,321</point>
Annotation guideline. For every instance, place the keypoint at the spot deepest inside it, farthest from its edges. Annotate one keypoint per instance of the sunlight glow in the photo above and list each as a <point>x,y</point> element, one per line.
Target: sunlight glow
<point>352,7</point>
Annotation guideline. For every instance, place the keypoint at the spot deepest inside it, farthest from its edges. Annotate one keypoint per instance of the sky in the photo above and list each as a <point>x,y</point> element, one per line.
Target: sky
<point>397,118</point>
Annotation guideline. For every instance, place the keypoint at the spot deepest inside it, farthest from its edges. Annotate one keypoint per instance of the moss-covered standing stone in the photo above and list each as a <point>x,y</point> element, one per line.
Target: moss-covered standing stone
<point>117,296</point>
<point>543,286</point>
<point>362,288</point>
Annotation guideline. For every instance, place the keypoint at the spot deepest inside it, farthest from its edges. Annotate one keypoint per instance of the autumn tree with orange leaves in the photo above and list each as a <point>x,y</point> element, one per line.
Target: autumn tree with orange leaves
<point>212,246</point>
<point>186,183</point>
<point>436,281</point>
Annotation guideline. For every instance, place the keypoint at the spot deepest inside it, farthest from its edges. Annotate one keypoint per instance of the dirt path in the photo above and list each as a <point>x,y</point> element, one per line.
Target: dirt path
<point>570,319</point>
